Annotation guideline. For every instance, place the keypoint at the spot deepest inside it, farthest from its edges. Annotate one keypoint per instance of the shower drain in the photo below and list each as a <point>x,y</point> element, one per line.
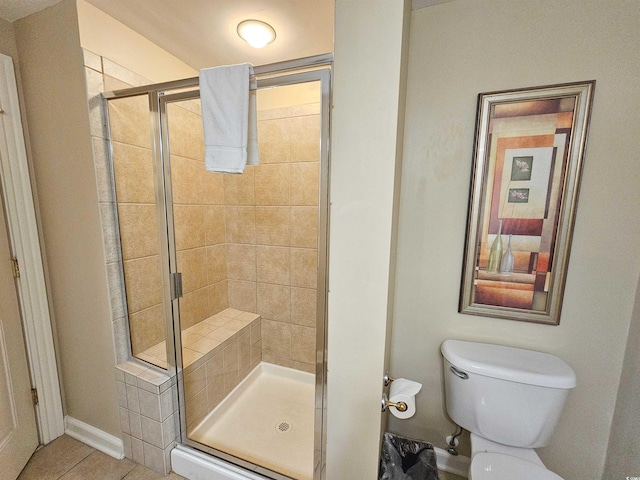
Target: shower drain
<point>284,427</point>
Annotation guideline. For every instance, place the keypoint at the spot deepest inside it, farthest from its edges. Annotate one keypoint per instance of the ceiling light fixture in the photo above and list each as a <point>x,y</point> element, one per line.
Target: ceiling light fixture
<point>256,33</point>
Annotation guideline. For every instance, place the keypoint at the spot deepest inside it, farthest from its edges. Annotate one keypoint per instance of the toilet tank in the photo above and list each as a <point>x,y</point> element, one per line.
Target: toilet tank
<point>508,395</point>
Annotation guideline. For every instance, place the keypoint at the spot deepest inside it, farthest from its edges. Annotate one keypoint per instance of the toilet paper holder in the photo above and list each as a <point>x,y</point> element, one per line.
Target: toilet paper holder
<point>386,403</point>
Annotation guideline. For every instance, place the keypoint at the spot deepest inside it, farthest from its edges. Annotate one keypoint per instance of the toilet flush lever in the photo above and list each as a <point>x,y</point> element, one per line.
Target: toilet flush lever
<point>459,373</point>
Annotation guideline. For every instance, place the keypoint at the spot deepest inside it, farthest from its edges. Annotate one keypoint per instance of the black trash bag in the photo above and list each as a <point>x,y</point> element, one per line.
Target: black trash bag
<point>406,459</point>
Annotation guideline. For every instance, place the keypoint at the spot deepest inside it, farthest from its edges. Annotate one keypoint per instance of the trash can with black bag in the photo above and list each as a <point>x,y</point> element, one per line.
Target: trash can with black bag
<point>406,459</point>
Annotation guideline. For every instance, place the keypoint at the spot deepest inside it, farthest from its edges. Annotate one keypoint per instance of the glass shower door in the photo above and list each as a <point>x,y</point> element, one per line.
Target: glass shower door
<point>249,311</point>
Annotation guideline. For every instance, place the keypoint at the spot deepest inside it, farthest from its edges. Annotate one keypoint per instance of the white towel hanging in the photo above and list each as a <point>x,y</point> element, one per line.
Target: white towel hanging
<point>229,118</point>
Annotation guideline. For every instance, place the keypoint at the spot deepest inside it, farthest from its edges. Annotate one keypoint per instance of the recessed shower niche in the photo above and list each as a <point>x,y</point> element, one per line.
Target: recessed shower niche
<point>225,273</point>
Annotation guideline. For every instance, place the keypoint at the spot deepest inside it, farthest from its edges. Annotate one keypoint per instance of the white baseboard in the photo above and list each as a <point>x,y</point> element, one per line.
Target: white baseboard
<point>94,437</point>
<point>456,464</point>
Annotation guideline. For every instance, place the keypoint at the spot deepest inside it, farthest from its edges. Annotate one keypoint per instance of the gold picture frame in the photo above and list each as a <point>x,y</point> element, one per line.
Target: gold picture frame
<point>528,156</point>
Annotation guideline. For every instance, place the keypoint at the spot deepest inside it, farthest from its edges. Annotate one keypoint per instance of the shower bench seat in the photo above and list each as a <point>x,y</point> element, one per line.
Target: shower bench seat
<point>218,353</point>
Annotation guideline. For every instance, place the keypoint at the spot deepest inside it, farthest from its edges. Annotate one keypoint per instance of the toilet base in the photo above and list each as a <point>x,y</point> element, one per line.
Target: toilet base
<point>482,445</point>
<point>494,461</point>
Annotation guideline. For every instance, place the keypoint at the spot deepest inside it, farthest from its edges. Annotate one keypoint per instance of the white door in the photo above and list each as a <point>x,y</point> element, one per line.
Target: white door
<point>18,432</point>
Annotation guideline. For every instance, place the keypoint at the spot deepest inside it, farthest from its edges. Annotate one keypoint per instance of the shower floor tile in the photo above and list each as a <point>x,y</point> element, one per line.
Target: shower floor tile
<point>268,420</point>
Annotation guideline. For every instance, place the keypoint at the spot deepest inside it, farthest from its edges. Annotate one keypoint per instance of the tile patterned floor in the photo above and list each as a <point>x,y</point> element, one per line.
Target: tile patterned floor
<point>69,459</point>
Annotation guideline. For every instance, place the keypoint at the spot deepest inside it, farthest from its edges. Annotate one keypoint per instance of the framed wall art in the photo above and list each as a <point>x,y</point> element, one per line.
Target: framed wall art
<point>528,155</point>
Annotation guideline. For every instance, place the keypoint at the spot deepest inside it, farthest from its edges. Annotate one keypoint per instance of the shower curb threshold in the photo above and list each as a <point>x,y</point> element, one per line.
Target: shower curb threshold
<point>194,465</point>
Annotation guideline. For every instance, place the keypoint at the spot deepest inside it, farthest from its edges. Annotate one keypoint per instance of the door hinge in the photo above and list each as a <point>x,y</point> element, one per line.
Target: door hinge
<point>176,285</point>
<point>34,396</point>
<point>15,267</point>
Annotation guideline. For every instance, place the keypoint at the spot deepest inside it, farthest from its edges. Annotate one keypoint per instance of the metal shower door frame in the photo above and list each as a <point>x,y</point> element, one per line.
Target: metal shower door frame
<point>158,102</point>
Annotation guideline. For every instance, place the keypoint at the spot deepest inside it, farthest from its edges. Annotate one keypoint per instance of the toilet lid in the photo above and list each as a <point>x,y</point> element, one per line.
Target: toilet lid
<point>497,466</point>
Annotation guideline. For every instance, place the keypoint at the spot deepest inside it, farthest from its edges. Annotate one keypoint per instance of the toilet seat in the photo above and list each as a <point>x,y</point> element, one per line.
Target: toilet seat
<point>497,466</point>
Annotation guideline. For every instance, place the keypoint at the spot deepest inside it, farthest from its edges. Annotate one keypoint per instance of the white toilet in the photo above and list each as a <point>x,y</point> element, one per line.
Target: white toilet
<point>510,400</point>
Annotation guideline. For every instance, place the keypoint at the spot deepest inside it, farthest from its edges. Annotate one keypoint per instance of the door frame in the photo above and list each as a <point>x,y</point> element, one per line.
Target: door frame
<point>22,228</point>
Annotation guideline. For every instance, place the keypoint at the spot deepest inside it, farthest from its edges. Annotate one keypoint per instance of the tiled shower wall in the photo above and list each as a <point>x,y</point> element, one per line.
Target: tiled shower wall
<point>243,241</point>
<point>146,395</point>
<point>198,197</point>
<point>271,215</point>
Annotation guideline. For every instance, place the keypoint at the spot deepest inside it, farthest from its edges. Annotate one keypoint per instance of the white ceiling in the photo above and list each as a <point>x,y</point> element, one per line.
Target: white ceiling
<point>202,33</point>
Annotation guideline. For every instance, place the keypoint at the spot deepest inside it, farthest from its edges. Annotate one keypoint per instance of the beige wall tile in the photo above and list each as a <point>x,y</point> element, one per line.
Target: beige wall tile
<point>256,333</point>
<point>195,381</point>
<point>194,307</point>
<point>273,226</point>
<point>241,261</point>
<point>187,138</point>
<point>230,354</point>
<point>147,328</point>
<point>242,295</point>
<point>272,184</point>
<point>285,362</point>
<point>273,265</point>
<point>214,225</point>
<point>215,367</point>
<point>213,188</point>
<point>304,227</point>
<point>215,391</point>
<point>129,120</point>
<point>240,224</point>
<point>256,354</point>
<point>303,344</point>
<point>192,264</point>
<point>274,302</point>
<point>187,180</point>
<point>231,378</point>
<point>304,267</point>
<point>244,340</point>
<point>138,230</point>
<point>305,138</point>
<point>204,345</point>
<point>196,406</point>
<point>133,171</point>
<point>218,296</point>
<point>189,226</point>
<point>103,166</point>
<point>216,263</point>
<point>307,367</point>
<point>276,339</point>
<point>244,364</point>
<point>239,189</point>
<point>143,283</point>
<point>303,306</point>
<point>273,138</point>
<point>304,184</point>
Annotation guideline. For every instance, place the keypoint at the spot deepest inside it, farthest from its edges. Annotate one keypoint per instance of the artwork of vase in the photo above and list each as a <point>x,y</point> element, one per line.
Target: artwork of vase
<point>495,254</point>
<point>506,264</point>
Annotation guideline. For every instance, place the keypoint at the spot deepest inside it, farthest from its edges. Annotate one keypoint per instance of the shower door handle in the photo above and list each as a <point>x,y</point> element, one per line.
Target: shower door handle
<point>176,285</point>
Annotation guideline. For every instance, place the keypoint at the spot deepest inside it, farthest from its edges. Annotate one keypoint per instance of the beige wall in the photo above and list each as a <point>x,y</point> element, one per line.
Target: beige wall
<point>56,111</point>
<point>105,36</point>
<point>457,50</point>
<point>623,455</point>
<point>8,40</point>
<point>367,99</point>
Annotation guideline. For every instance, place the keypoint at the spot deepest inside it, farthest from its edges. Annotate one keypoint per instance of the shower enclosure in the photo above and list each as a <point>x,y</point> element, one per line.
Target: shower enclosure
<point>225,274</point>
